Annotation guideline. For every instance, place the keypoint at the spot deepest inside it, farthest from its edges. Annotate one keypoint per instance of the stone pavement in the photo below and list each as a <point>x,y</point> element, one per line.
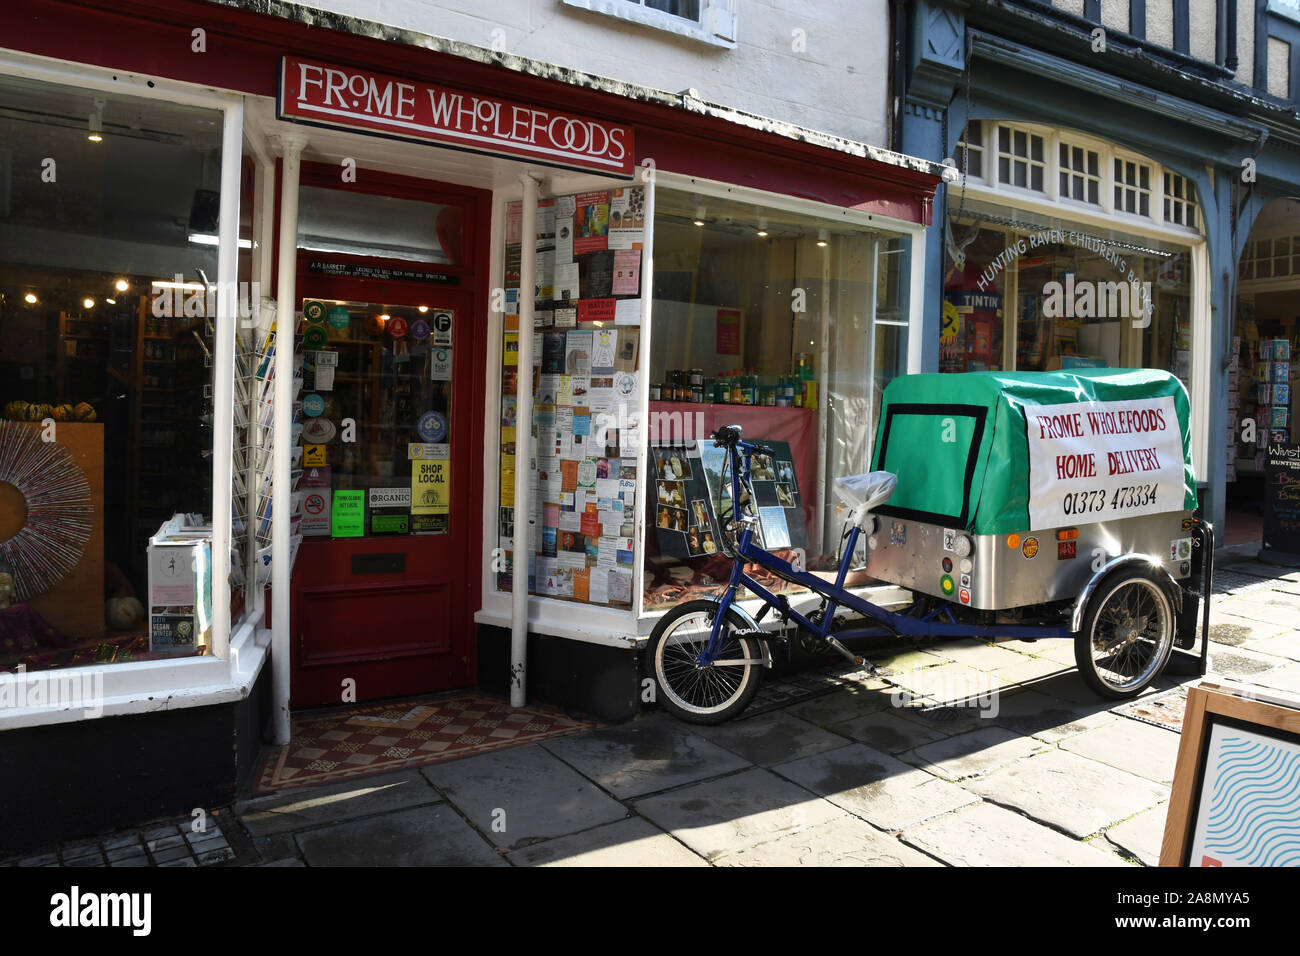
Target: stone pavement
<point>964,754</point>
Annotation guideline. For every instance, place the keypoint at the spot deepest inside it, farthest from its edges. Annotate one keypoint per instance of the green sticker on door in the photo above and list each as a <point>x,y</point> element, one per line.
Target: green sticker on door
<point>349,514</point>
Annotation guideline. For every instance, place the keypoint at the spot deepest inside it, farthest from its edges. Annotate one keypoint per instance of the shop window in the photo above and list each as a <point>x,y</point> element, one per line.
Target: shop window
<point>1132,187</point>
<point>1080,174</point>
<point>106,344</point>
<point>969,154</point>
<point>1067,296</point>
<point>1021,159</point>
<point>585,378</point>
<point>788,325</point>
<point>1180,200</point>
<point>384,227</point>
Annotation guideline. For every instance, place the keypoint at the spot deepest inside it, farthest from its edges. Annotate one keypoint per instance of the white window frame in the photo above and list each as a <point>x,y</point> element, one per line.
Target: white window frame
<point>1250,255</point>
<point>1070,144</point>
<point>1187,202</point>
<point>1154,191</point>
<point>989,188</point>
<point>982,149</point>
<point>239,651</point>
<point>1047,163</point>
<point>716,25</point>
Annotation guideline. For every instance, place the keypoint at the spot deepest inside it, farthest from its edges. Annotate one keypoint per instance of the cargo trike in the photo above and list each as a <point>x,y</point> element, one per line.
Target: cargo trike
<point>1027,505</point>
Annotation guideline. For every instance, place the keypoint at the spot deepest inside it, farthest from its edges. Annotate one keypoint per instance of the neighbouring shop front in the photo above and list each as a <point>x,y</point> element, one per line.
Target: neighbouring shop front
<point>357,478</point>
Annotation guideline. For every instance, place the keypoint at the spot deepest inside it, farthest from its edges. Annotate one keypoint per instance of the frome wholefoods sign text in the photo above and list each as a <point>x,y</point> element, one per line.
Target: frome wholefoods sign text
<point>359,99</point>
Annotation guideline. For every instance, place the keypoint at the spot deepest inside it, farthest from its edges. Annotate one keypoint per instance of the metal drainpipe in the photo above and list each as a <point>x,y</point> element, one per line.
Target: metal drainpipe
<point>282,495</point>
<point>523,446</point>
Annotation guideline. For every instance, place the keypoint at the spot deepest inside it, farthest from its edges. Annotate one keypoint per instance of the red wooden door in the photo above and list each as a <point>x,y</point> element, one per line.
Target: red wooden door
<point>383,603</point>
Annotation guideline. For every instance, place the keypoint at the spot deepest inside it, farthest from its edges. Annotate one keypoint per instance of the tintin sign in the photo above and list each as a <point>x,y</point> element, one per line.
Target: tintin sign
<point>349,98</point>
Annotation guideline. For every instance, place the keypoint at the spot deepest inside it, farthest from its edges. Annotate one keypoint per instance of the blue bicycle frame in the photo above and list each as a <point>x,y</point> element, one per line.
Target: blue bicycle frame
<point>940,622</point>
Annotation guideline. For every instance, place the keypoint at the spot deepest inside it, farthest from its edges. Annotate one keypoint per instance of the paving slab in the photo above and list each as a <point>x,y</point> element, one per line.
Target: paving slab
<point>907,659</point>
<point>1060,650</point>
<point>1284,645</point>
<point>1029,669</point>
<point>873,785</point>
<point>846,841</point>
<point>1140,836</point>
<point>1050,719</point>
<point>1071,793</point>
<point>433,835</point>
<point>644,756</point>
<point>1070,687</point>
<point>731,813</point>
<point>1240,663</point>
<point>845,704</point>
<point>979,654</point>
<point>522,795</point>
<point>771,738</point>
<point>951,683</point>
<point>631,842</point>
<point>1231,629</point>
<point>1262,606</point>
<point>986,835</point>
<point>1130,745</point>
<point>1284,678</point>
<point>974,753</point>
<point>886,730</point>
<point>304,807</point>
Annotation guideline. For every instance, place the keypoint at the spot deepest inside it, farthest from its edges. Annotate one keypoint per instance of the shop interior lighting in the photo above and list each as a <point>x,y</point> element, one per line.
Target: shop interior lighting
<point>88,302</point>
<point>762,229</point>
<point>95,130</point>
<point>423,308</point>
<point>121,285</point>
<point>822,238</point>
<point>207,239</point>
<point>30,298</point>
<point>111,301</point>
<point>699,216</point>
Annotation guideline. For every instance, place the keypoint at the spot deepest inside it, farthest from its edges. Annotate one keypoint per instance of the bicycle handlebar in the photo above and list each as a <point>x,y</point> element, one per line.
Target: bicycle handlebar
<point>728,436</point>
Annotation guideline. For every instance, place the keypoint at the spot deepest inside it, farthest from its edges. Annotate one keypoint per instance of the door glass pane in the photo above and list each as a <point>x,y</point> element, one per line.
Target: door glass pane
<point>375,414</point>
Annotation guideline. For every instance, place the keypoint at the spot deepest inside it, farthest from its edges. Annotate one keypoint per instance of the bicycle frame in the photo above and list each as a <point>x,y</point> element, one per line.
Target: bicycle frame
<point>886,622</point>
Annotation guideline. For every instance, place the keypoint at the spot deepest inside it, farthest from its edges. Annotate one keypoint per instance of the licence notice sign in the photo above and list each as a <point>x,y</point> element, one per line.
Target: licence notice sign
<point>1097,461</point>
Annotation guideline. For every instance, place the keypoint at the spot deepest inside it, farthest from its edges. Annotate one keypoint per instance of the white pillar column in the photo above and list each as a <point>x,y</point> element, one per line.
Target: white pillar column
<point>523,447</point>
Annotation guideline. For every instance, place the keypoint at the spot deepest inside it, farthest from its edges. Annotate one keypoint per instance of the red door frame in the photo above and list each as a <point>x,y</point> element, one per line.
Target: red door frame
<point>466,538</point>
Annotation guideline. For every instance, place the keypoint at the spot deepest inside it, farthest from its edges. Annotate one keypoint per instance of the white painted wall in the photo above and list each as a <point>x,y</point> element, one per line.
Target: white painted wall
<point>837,85</point>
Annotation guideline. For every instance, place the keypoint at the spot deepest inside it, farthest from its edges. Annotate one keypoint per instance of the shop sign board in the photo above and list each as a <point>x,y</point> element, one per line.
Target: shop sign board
<point>356,99</point>
<point>1282,498</point>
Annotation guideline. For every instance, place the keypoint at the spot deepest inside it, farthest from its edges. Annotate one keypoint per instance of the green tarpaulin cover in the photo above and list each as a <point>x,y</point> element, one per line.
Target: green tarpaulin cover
<point>959,443</point>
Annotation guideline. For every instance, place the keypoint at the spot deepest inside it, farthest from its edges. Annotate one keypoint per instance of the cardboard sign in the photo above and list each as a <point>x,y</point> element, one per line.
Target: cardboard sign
<point>430,487</point>
<point>348,516</point>
<point>352,98</point>
<point>1097,461</point>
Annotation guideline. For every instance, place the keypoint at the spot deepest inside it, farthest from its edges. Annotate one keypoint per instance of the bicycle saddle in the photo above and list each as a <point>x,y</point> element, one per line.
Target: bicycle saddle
<point>862,493</point>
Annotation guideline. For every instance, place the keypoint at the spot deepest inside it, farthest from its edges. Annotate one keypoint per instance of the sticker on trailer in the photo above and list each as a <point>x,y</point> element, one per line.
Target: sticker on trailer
<point>964,595</point>
<point>1180,549</point>
<point>1098,461</point>
<point>949,539</point>
<point>965,582</point>
<point>1030,548</point>
<point>442,323</point>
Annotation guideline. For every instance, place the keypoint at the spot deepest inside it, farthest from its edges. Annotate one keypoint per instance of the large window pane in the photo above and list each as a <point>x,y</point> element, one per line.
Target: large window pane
<point>106,336</point>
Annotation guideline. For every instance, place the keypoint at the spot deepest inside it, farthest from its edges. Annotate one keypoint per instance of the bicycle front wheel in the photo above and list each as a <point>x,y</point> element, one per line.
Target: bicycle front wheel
<point>702,695</point>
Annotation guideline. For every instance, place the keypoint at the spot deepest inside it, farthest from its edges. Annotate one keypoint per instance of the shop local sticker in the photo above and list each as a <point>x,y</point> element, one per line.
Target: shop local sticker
<point>430,487</point>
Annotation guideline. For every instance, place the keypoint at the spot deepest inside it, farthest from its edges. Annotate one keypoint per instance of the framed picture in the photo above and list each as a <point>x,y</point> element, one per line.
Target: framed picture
<point>1235,800</point>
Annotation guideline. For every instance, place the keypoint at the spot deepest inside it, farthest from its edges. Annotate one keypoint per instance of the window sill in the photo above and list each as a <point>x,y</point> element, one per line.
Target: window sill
<point>659,20</point>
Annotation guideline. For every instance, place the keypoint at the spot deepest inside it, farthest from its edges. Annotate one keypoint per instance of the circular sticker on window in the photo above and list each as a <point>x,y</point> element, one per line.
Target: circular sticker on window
<point>340,317</point>
<point>1030,547</point>
<point>432,427</point>
<point>374,325</point>
<point>397,327</point>
<point>625,385</point>
<point>419,330</point>
<point>318,431</point>
<point>314,311</point>
<point>315,337</point>
<point>313,405</point>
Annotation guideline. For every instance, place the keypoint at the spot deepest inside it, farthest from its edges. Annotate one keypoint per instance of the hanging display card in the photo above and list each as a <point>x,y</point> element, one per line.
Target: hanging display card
<point>627,272</point>
<point>591,221</point>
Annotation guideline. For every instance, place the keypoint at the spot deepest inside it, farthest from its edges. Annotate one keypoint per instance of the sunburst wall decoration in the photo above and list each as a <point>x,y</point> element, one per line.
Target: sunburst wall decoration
<point>60,513</point>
